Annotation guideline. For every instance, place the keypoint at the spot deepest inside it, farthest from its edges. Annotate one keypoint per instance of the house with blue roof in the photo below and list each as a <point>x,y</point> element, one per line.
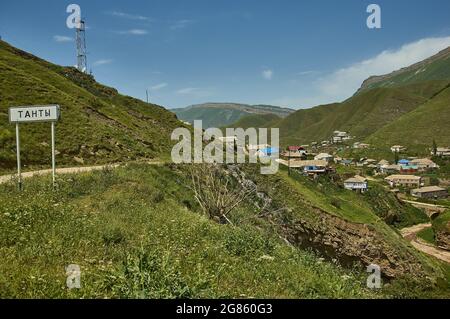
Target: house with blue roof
<point>268,151</point>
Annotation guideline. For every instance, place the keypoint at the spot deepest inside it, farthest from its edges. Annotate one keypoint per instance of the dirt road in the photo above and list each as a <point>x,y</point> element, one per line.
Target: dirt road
<point>410,234</point>
<point>67,170</point>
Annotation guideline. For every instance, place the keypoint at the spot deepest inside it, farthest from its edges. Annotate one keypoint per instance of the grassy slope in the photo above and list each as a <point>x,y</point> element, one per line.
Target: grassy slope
<point>427,235</point>
<point>442,222</point>
<point>136,233</point>
<point>437,70</point>
<point>418,128</point>
<point>98,124</point>
<point>221,115</point>
<point>256,121</point>
<point>361,115</point>
<point>379,104</point>
<point>211,117</point>
<point>302,195</point>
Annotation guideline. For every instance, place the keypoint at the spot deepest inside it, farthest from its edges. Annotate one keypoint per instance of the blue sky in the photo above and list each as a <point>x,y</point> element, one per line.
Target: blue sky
<point>290,53</point>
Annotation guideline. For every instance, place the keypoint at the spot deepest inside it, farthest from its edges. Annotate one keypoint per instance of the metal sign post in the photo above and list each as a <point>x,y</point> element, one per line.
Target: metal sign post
<point>19,173</point>
<point>31,114</point>
<point>53,156</point>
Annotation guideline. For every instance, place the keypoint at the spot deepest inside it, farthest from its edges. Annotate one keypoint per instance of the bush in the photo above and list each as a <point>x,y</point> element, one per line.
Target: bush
<point>336,203</point>
<point>245,241</point>
<point>114,237</point>
<point>157,197</point>
<point>146,275</point>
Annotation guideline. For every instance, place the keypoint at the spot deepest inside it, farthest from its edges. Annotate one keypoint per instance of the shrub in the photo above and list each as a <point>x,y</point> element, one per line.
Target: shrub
<point>336,203</point>
<point>157,197</point>
<point>147,275</point>
<point>245,241</point>
<point>114,237</point>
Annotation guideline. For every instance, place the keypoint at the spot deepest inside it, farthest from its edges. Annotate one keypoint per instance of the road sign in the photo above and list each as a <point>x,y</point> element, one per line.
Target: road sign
<point>32,114</point>
<point>29,114</point>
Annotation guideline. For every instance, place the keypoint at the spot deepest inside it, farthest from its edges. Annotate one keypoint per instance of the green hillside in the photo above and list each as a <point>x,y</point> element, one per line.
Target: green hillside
<point>146,241</point>
<point>387,110</point>
<point>98,124</point>
<point>225,114</point>
<point>257,121</point>
<point>434,68</point>
<point>361,115</point>
<point>137,232</point>
<point>417,129</point>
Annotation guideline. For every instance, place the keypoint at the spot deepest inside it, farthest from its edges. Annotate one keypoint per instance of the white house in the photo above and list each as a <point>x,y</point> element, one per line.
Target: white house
<point>252,149</point>
<point>383,162</point>
<point>339,137</point>
<point>442,151</point>
<point>324,157</point>
<point>398,149</point>
<point>228,139</point>
<point>390,169</point>
<point>359,145</point>
<point>404,180</point>
<point>357,183</point>
<point>424,163</point>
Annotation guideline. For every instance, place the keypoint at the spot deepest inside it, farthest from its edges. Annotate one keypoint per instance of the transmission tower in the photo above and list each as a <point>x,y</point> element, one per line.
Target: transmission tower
<point>81,47</point>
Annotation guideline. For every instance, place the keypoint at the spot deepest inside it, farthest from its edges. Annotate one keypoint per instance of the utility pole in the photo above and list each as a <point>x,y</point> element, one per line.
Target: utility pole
<point>289,162</point>
<point>146,92</point>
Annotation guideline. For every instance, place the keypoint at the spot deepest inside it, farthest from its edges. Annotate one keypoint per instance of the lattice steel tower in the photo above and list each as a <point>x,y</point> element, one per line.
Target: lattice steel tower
<point>81,47</point>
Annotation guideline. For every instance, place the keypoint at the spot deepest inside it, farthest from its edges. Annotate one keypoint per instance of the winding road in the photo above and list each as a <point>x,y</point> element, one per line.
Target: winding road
<point>410,234</point>
<point>67,170</point>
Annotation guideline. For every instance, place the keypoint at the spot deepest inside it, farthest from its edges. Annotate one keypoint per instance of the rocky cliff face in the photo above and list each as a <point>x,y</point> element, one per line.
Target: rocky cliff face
<point>350,242</point>
<point>443,239</point>
<point>336,238</point>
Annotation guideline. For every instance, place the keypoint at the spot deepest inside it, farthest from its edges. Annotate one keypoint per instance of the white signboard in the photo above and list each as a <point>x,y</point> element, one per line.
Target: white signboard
<point>28,114</point>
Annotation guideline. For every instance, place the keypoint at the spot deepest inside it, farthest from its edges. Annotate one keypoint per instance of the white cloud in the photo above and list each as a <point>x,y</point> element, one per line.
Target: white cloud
<point>158,86</point>
<point>134,32</point>
<point>304,73</point>
<point>344,82</point>
<point>187,90</point>
<point>128,16</point>
<point>195,92</point>
<point>62,38</point>
<point>102,62</point>
<point>181,24</point>
<point>267,74</point>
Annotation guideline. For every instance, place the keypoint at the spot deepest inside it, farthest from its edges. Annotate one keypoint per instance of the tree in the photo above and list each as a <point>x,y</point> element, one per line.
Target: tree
<point>217,191</point>
<point>396,158</point>
<point>434,147</point>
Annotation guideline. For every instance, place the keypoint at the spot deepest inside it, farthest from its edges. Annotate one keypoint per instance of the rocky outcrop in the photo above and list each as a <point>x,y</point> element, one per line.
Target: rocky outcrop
<point>443,239</point>
<point>351,242</point>
<point>336,238</point>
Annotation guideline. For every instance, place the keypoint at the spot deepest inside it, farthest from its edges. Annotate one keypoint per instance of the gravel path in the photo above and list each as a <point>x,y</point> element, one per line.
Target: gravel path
<point>67,170</point>
<point>410,234</point>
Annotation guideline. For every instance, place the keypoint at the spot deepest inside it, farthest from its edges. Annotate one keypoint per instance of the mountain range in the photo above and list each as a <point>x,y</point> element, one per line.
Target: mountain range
<point>410,107</point>
<point>223,114</point>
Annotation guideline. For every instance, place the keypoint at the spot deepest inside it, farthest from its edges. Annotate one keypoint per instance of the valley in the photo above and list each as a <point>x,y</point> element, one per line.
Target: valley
<point>140,226</point>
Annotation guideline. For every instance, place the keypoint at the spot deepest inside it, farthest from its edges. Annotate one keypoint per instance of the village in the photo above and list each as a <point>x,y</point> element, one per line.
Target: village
<point>410,178</point>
